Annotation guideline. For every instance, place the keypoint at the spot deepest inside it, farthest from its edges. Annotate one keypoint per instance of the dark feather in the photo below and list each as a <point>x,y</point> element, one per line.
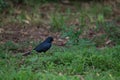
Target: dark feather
<point>42,47</point>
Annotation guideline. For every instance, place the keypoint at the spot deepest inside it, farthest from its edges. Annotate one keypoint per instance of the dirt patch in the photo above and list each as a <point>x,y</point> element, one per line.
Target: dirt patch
<point>30,31</point>
<point>19,33</point>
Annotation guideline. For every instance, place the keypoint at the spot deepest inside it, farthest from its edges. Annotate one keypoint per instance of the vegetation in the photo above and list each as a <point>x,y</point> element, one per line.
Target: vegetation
<point>88,32</point>
<point>61,63</point>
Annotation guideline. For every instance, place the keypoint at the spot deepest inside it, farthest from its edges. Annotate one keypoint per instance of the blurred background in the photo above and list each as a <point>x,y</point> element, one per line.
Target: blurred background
<point>68,21</point>
<point>86,39</point>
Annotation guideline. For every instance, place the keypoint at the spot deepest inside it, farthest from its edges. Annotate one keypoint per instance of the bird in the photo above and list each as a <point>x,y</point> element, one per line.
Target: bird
<point>42,47</point>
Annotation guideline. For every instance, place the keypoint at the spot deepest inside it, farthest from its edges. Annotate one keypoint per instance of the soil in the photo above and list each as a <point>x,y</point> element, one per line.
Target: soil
<point>19,33</point>
<point>35,32</point>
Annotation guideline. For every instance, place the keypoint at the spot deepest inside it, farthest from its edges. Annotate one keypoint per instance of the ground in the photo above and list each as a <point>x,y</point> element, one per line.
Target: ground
<point>85,47</point>
<point>20,25</point>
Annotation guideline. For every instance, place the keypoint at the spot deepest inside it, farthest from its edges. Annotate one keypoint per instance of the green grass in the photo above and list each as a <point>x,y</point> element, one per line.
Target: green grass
<point>80,60</point>
<point>73,63</point>
<point>58,22</point>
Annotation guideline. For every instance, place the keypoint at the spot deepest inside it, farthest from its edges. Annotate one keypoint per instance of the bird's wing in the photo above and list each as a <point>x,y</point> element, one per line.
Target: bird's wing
<point>46,46</point>
<point>38,46</point>
<point>43,47</point>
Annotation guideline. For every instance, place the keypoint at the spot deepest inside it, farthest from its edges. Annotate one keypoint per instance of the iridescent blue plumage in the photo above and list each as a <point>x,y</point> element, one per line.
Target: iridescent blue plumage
<point>42,47</point>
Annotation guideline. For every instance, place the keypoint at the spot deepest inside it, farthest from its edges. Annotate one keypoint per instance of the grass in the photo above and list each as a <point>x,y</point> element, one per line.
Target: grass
<point>60,63</point>
<point>81,60</point>
<point>58,22</point>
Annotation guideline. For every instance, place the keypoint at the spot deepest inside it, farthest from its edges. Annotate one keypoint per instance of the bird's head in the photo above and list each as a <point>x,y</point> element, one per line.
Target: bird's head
<point>49,39</point>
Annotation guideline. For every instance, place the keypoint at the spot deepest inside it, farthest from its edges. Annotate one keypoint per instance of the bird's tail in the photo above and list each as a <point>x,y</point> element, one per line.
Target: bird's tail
<point>27,53</point>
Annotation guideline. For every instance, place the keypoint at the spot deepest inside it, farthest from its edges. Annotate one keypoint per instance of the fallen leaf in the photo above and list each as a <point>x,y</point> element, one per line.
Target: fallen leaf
<point>107,42</point>
<point>26,21</point>
<point>1,30</point>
